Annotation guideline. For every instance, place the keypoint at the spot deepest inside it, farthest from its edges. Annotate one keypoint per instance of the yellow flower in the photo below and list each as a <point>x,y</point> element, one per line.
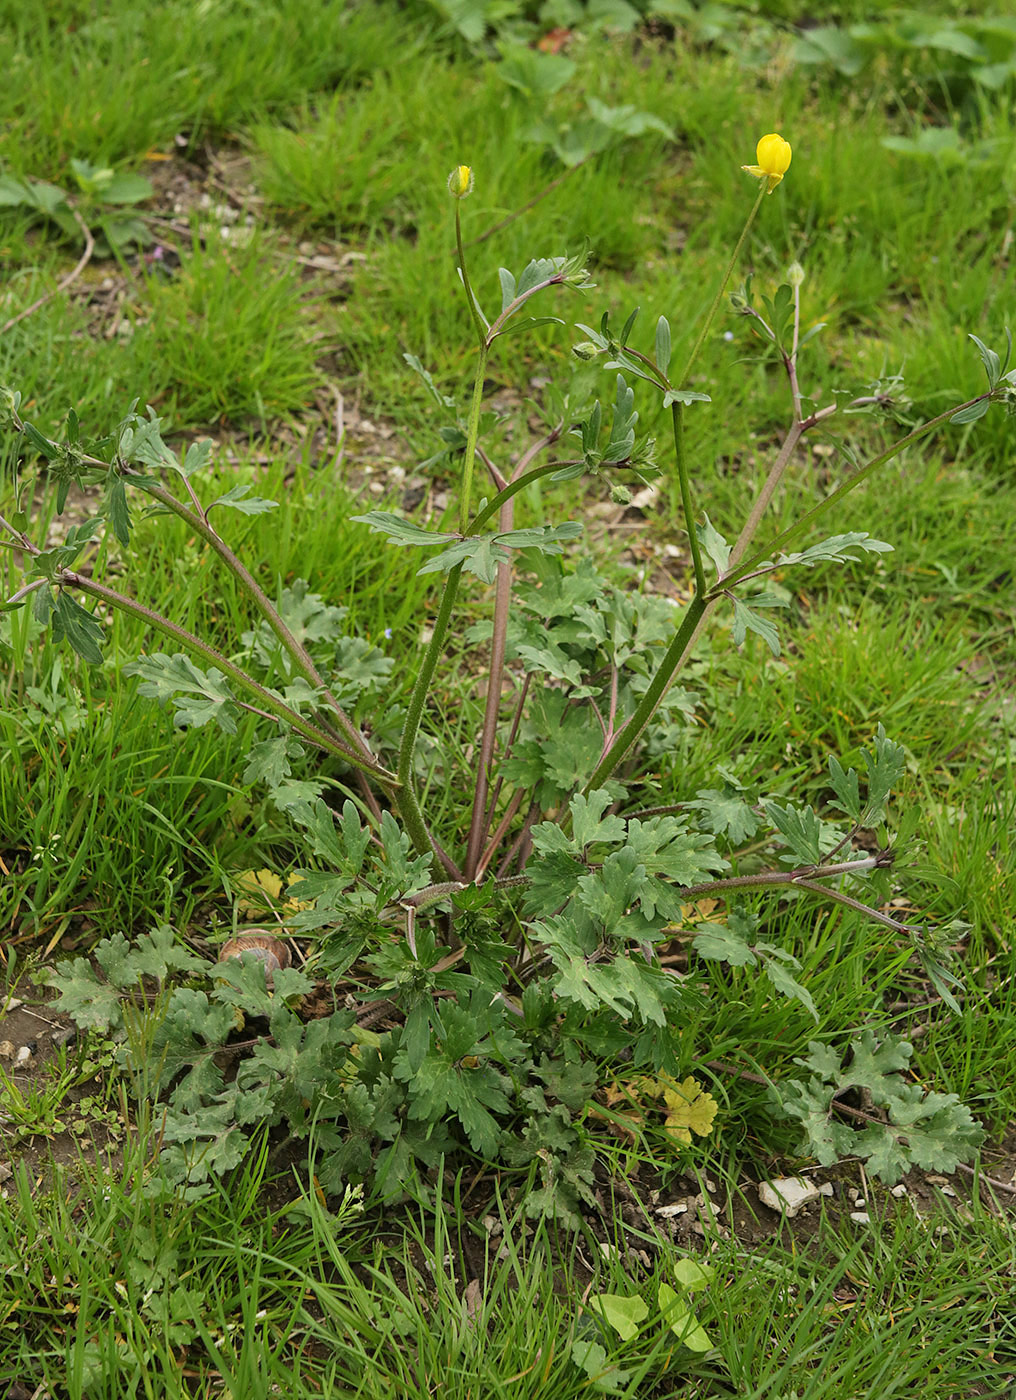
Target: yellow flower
<point>460,181</point>
<point>773,156</point>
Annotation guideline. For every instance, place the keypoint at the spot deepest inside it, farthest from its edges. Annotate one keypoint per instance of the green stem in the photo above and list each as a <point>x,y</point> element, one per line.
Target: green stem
<point>704,331</point>
<point>423,680</point>
<point>677,409</point>
<point>474,310</point>
<point>472,433</point>
<point>512,489</point>
<point>425,675</point>
<point>805,520</point>
<point>266,700</point>
<point>647,706</point>
<point>301,657</point>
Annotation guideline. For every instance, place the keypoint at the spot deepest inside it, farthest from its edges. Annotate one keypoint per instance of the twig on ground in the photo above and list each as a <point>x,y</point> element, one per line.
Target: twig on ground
<point>64,282</point>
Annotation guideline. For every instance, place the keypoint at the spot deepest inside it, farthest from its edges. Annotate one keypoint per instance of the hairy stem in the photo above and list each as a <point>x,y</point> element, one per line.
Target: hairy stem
<point>849,485</point>
<point>677,410</point>
<point>266,700</point>
<point>647,706</point>
<point>299,653</point>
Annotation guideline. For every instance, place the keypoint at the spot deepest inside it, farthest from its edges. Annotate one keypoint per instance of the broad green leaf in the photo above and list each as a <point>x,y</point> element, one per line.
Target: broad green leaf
<point>197,696</point>
<point>623,1313</point>
<point>801,830</point>
<point>125,188</point>
<point>507,281</point>
<point>844,784</point>
<point>603,1375</point>
<point>73,623</point>
<point>481,554</point>
<point>720,944</point>
<point>627,120</point>
<point>589,823</point>
<point>725,810</point>
<point>91,1003</point>
<point>679,1317</point>
<point>538,75</point>
<point>689,1274</point>
<point>196,459</point>
<point>119,511</point>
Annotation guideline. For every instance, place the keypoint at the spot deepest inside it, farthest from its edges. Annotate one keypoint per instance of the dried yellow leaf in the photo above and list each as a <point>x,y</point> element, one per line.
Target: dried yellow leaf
<point>691,1110</point>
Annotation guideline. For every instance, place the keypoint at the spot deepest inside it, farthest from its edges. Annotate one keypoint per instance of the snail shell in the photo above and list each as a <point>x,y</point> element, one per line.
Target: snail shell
<point>272,952</point>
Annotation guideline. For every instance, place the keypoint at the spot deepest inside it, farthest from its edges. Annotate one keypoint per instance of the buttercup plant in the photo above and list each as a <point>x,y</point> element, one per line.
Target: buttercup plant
<point>492,965</point>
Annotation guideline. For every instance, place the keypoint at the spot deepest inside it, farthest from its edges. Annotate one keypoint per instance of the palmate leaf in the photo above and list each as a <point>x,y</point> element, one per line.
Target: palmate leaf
<point>725,810</point>
<point>931,1130</point>
<point>589,823</point>
<point>197,696</point>
<point>90,1002</point>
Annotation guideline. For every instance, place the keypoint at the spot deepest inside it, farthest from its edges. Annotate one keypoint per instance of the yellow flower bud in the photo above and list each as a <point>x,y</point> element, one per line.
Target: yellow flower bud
<point>460,181</point>
<point>773,155</point>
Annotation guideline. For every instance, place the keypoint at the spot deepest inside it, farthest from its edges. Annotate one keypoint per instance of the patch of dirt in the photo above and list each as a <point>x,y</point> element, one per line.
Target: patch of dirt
<point>49,1114</point>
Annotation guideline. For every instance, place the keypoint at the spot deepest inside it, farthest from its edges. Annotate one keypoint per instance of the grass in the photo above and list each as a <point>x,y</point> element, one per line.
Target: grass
<point>123,1292</point>
<point>344,121</point>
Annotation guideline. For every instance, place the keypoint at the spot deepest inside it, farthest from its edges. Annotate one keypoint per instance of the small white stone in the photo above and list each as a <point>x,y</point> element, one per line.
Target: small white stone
<point>859,1203</point>
<point>788,1194</point>
<point>826,1189</point>
<point>948,1191</point>
<point>899,1191</point>
<point>711,1185</point>
<point>24,1057</point>
<point>861,1217</point>
<point>668,1212</point>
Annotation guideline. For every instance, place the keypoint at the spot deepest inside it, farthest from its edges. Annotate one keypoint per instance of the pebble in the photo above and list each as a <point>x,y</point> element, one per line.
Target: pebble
<point>948,1191</point>
<point>861,1217</point>
<point>899,1191</point>
<point>790,1194</point>
<point>860,1203</point>
<point>668,1212</point>
<point>6,1050</point>
<point>24,1056</point>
